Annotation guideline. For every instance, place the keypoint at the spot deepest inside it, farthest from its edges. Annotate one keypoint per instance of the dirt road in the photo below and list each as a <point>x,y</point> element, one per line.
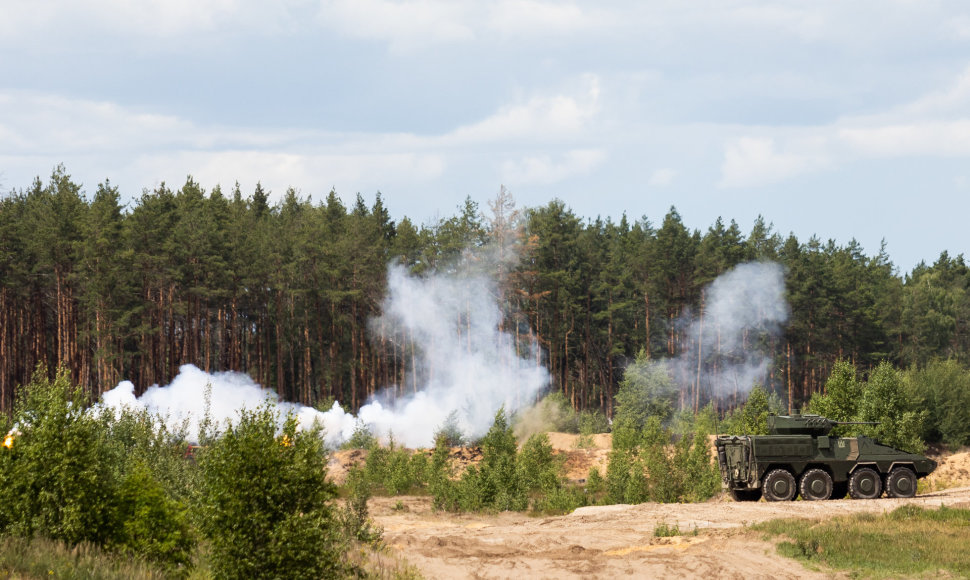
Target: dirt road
<point>611,541</point>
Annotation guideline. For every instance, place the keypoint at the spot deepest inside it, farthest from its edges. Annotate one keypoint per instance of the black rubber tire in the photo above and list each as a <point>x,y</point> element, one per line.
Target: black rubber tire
<point>779,485</point>
<point>840,490</point>
<point>746,494</point>
<point>901,482</point>
<point>816,485</point>
<point>865,483</point>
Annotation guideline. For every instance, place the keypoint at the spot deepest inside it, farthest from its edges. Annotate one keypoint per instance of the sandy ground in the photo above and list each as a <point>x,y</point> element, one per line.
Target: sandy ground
<point>611,541</point>
<point>618,540</point>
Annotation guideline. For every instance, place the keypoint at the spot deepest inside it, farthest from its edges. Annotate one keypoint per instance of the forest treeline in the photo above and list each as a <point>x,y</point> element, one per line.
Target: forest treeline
<point>286,291</point>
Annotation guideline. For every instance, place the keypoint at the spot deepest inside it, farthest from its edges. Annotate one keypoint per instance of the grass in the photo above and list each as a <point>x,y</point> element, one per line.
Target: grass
<point>22,559</point>
<point>41,558</point>
<point>910,540</point>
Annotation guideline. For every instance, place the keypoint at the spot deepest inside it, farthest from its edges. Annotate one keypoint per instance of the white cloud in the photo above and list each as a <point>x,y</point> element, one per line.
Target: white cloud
<point>145,19</point>
<point>541,118</point>
<point>662,177</point>
<point>50,124</point>
<point>934,138</point>
<point>278,170</point>
<point>404,25</point>
<point>547,169</point>
<point>936,124</point>
<point>530,17</point>
<point>756,161</point>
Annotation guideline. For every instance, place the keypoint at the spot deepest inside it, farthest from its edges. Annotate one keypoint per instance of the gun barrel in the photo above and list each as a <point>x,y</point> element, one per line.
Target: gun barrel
<point>856,422</point>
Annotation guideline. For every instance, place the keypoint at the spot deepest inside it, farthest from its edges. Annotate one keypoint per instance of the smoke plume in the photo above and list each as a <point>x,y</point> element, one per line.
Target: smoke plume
<point>462,362</point>
<point>728,344</point>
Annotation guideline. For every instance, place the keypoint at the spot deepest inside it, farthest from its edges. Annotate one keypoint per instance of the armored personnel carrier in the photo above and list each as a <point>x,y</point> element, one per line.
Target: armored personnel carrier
<point>800,457</point>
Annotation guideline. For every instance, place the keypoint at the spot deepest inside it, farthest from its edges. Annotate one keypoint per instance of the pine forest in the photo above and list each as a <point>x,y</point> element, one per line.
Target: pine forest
<point>286,291</point>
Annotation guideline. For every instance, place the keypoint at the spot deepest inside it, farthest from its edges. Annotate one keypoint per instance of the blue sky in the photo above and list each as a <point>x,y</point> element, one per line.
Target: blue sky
<point>830,118</point>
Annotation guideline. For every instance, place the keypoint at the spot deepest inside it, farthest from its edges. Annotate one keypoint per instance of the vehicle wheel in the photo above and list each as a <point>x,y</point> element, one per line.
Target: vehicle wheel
<point>840,490</point>
<point>779,486</point>
<point>901,482</point>
<point>746,494</point>
<point>816,485</point>
<point>865,483</point>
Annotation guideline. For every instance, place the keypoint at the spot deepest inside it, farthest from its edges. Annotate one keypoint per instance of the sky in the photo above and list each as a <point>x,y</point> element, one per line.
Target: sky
<point>841,120</point>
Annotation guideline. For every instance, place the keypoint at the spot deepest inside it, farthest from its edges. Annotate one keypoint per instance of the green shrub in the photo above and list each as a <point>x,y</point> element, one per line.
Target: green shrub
<point>354,517</point>
<point>450,431</point>
<point>361,438</point>
<point>665,530</point>
<point>60,478</point>
<point>593,421</point>
<point>882,399</point>
<point>538,469</point>
<point>153,525</point>
<point>264,503</point>
<point>595,484</point>
<point>495,484</point>
<point>652,467</point>
<point>444,491</point>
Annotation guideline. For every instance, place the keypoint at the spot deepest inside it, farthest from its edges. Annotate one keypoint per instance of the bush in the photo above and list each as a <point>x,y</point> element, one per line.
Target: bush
<point>264,503</point>
<point>450,431</point>
<point>60,477</point>
<point>361,438</point>
<point>752,417</point>
<point>645,391</point>
<point>444,491</point>
<point>650,466</point>
<point>153,525</point>
<point>942,388</point>
<point>495,483</point>
<point>882,399</point>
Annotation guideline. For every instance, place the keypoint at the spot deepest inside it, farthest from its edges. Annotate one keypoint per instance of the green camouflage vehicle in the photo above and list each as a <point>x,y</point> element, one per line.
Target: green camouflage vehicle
<point>799,457</point>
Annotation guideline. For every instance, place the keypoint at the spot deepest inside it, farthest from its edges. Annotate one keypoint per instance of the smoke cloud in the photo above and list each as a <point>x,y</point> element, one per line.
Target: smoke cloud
<point>728,344</point>
<point>463,362</point>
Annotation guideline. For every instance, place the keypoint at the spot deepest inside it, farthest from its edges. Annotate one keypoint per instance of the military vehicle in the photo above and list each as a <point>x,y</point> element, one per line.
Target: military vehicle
<point>799,457</point>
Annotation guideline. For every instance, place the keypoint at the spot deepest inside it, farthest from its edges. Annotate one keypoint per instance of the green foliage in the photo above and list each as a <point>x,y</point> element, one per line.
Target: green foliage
<point>154,526</point>
<point>645,391</point>
<point>538,469</point>
<point>752,417</point>
<point>506,479</point>
<point>660,467</point>
<point>450,431</point>
<point>264,505</point>
<point>884,400</point>
<point>593,421</point>
<point>495,483</point>
<point>361,438</point>
<point>665,530</point>
<point>843,395</point>
<point>394,470</point>
<point>595,484</point>
<point>942,388</point>
<point>444,491</point>
<point>103,482</point>
<point>881,399</point>
<point>354,517</point>
<point>302,275</point>
<point>60,478</point>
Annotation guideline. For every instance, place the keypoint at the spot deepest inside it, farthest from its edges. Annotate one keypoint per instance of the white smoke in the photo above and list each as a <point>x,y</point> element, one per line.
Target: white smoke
<point>728,351</point>
<point>463,362</point>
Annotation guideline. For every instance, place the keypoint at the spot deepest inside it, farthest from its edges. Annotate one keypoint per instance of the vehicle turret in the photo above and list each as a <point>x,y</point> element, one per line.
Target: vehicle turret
<point>814,425</point>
